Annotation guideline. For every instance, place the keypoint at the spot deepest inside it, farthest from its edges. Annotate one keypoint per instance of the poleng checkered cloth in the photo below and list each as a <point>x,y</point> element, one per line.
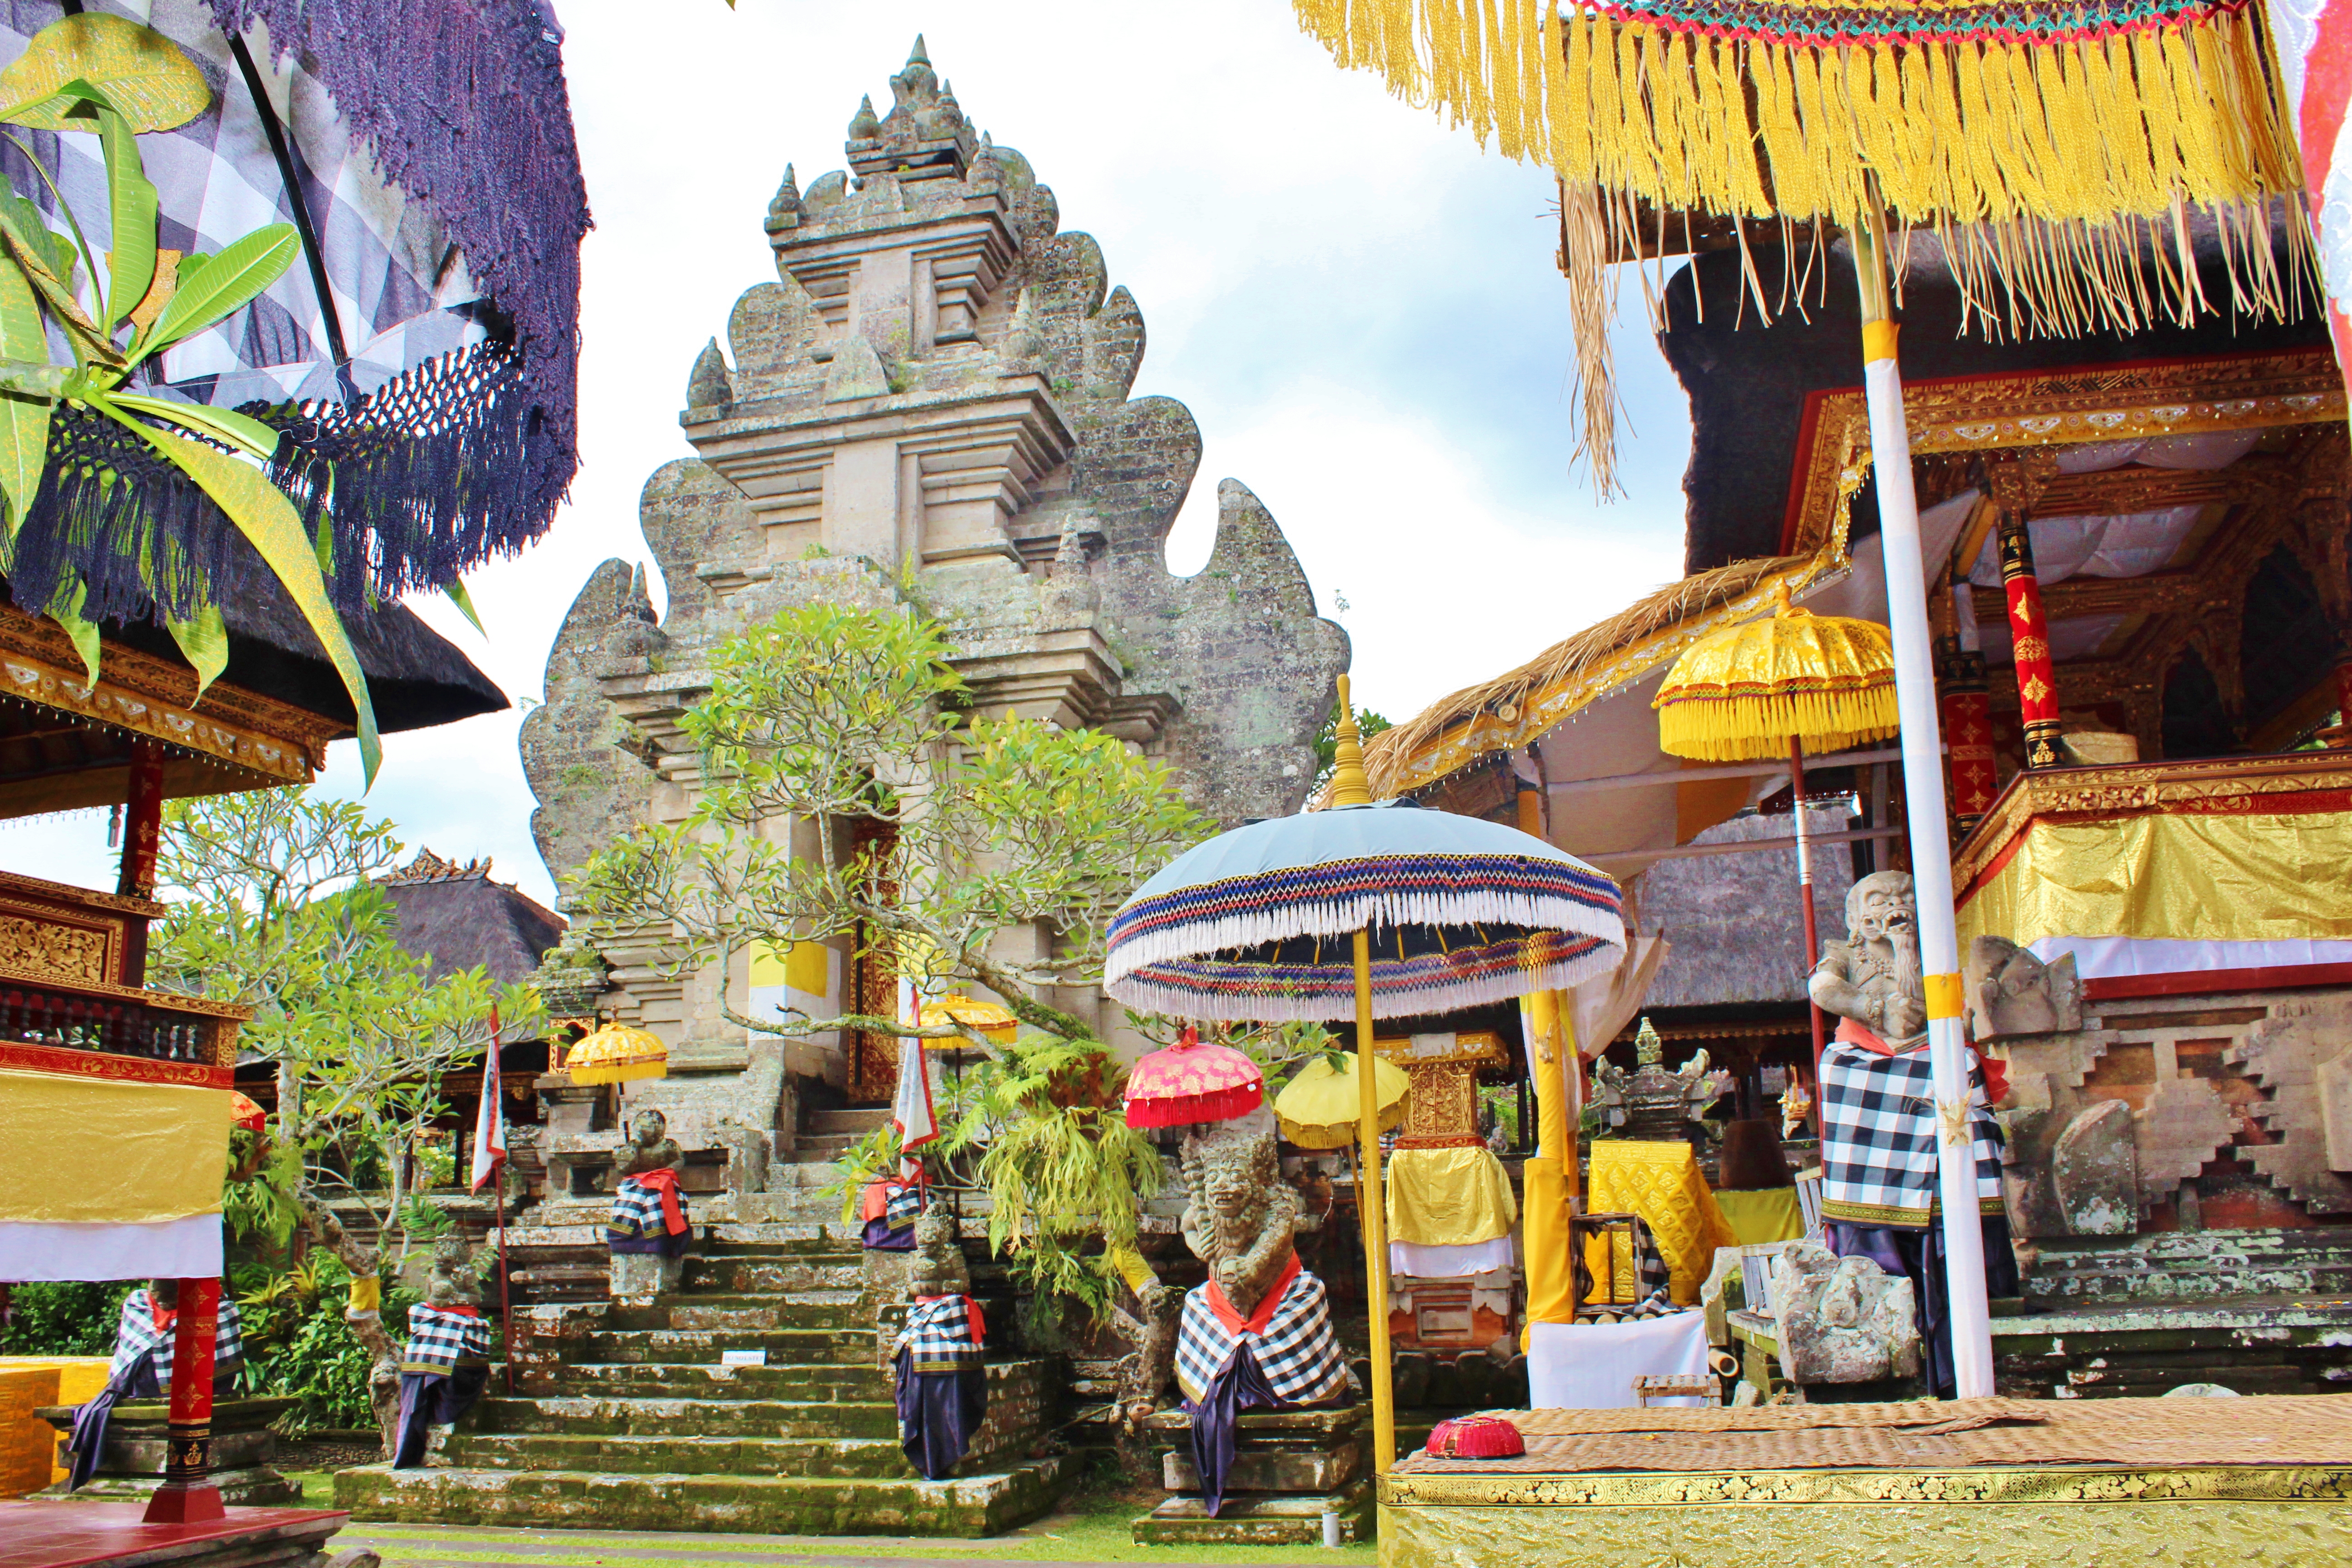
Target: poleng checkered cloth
<point>438,1340</point>
<point>1296,1351</point>
<point>938,1335</point>
<point>1879,1138</point>
<point>138,1333</point>
<point>637,1213</point>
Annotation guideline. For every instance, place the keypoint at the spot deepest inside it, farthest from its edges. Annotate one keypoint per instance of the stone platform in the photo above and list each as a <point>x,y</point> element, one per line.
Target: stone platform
<point>2201,1483</point>
<point>42,1534</point>
<point>626,1418</point>
<point>1290,1467</point>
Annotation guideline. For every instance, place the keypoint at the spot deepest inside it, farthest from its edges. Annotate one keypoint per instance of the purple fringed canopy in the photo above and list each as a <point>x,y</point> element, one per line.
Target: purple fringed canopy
<point>434,165</point>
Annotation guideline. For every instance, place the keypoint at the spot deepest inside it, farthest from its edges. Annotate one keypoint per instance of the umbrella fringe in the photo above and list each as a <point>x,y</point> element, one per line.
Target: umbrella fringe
<point>1343,916</point>
<point>1720,727</point>
<point>1285,996</point>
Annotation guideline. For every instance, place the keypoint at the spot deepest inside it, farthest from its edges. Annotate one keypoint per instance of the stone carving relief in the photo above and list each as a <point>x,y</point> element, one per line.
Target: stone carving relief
<point>1841,1319</point>
<point>2288,1052</point>
<point>1241,1217</point>
<point>2010,992</point>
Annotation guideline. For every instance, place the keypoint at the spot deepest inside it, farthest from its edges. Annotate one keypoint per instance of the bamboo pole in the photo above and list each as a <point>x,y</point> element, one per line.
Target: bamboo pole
<point>1369,1196</point>
<point>1922,781</point>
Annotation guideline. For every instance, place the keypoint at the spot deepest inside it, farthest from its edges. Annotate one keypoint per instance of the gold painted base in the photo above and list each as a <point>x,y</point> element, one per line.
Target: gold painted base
<point>2236,1517</point>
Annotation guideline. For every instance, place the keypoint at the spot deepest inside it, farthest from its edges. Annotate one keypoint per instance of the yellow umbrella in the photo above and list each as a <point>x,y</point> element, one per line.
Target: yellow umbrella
<point>986,1019</point>
<point>1789,680</point>
<point>616,1054</point>
<point>1321,1106</point>
<point>1757,688</point>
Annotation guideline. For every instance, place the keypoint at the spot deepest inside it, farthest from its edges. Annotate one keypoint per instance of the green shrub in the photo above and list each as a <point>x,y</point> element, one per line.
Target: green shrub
<point>64,1319</point>
<point>298,1345</point>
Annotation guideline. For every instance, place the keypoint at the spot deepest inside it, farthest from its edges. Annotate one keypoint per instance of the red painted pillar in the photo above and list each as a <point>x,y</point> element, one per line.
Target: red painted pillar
<point>2029,630</point>
<point>187,1495</point>
<point>142,831</point>
<point>1965,708</point>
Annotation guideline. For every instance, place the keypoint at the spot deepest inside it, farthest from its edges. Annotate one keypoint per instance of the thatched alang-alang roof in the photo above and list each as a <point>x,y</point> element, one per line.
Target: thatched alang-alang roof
<point>1562,661</point>
<point>455,916</point>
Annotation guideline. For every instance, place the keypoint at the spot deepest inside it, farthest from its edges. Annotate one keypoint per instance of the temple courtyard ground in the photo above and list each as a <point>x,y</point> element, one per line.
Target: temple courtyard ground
<point>1076,1539</point>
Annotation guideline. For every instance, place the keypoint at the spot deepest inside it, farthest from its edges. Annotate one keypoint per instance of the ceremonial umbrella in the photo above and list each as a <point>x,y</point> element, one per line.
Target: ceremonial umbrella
<point>2070,157</point>
<point>1192,1081</point>
<point>617,1053</point>
<point>1321,1106</point>
<point>1439,913</point>
<point>1789,680</point>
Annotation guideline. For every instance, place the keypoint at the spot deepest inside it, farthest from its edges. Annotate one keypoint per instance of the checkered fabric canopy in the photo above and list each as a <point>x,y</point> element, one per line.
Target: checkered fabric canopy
<point>426,148</point>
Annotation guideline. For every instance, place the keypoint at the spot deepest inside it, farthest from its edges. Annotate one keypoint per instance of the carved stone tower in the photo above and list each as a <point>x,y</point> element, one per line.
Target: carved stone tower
<point>934,392</point>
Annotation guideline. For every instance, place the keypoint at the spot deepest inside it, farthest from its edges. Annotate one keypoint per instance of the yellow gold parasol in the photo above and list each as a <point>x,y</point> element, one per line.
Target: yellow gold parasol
<point>616,1054</point>
<point>1749,691</point>
<point>989,1020</point>
<point>1319,1107</point>
<point>1789,680</point>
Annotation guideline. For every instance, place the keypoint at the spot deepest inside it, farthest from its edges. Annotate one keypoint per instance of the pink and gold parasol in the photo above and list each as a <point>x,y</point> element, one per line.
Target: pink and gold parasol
<point>1193,1081</point>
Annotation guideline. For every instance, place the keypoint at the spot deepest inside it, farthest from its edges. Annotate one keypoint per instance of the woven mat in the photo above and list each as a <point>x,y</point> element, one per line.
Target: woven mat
<point>2308,1429</point>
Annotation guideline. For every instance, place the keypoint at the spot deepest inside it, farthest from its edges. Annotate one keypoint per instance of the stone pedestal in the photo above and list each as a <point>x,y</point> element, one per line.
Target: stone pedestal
<point>642,1276</point>
<point>130,1465</point>
<point>1290,1467</point>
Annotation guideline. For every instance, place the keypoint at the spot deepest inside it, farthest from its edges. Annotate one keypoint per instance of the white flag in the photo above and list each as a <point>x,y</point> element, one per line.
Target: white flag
<point>911,1109</point>
<point>490,1123</point>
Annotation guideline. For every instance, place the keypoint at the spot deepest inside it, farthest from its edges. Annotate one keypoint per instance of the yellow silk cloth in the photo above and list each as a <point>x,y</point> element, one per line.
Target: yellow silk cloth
<point>1762,1214</point>
<point>2259,877</point>
<point>96,1152</point>
<point>1449,1197</point>
<point>1660,1182</point>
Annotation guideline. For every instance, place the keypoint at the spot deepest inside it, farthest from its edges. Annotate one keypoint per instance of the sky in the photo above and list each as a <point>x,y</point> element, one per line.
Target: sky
<point>1358,303</point>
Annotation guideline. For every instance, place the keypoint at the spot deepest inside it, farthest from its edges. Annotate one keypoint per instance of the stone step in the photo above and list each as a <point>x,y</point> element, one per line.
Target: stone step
<point>792,1173</point>
<point>808,1309</point>
<point>857,1122</point>
<point>589,1418</point>
<point>816,1381</point>
<point>986,1504</point>
<point>700,1347</point>
<point>2302,1241</point>
<point>833,1459</point>
<point>1259,1519</point>
<point>825,1148</point>
<point>757,1274</point>
<point>2186,1281</point>
<point>2249,1345</point>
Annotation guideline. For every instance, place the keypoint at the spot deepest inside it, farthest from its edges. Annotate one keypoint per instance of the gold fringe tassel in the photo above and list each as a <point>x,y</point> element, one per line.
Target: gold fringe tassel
<point>2061,179</point>
<point>1739,729</point>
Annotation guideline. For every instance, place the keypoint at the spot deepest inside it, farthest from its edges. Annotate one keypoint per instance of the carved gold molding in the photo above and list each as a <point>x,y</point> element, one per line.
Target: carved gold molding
<point>2051,409</point>
<point>149,697</point>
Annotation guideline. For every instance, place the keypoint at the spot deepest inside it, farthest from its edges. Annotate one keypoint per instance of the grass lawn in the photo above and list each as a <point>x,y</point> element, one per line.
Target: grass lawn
<point>1091,1529</point>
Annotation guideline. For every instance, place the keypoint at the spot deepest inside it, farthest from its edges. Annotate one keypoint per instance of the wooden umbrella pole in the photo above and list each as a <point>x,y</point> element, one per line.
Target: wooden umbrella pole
<point>1813,926</point>
<point>1922,782</point>
<point>1368,1198</point>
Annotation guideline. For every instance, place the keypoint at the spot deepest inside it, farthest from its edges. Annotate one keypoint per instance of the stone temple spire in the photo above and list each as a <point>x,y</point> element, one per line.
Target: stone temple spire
<point>784,207</point>
<point>924,137</point>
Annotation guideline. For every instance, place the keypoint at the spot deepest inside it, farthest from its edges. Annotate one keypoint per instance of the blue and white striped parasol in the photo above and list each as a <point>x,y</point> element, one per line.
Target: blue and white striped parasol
<point>1257,923</point>
<point>1364,910</point>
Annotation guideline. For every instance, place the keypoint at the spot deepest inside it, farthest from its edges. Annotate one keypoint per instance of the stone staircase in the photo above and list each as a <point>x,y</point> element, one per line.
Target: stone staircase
<point>2259,1311</point>
<point>626,1418</point>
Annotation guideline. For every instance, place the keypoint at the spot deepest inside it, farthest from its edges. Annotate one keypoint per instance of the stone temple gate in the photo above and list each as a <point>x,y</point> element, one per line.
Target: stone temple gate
<point>935,389</point>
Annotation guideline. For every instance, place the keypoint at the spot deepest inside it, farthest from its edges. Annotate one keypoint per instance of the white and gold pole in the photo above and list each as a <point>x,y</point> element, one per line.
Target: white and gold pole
<point>1350,786</point>
<point>1922,782</point>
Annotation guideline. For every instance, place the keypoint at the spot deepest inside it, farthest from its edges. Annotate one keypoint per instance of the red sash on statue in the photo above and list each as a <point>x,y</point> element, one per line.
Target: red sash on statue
<point>1256,1322</point>
<point>664,1182</point>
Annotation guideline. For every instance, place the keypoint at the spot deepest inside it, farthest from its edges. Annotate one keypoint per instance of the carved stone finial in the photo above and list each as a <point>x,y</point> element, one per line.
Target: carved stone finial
<point>707,385</point>
<point>1023,339</point>
<point>919,55</point>
<point>1648,1050</point>
<point>864,125</point>
<point>1071,592</point>
<point>786,203</point>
